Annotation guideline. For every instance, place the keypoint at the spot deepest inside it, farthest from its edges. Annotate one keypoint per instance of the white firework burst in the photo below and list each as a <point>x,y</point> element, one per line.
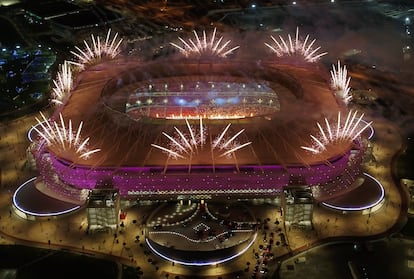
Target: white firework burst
<point>204,45</point>
<point>339,132</point>
<point>64,137</point>
<point>185,144</point>
<point>295,46</point>
<point>230,145</point>
<point>99,49</point>
<point>340,82</point>
<point>62,84</point>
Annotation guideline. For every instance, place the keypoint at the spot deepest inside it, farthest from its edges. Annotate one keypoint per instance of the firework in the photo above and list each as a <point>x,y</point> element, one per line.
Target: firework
<point>62,84</point>
<point>186,144</point>
<point>64,136</point>
<point>340,82</point>
<point>296,47</point>
<point>339,132</point>
<point>204,45</point>
<point>99,49</point>
<point>230,145</point>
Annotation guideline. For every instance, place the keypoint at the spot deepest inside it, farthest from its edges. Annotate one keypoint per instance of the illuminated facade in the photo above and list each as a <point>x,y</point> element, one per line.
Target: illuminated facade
<point>200,125</point>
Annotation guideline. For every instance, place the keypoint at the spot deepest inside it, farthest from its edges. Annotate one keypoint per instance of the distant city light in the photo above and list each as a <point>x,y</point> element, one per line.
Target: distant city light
<point>295,47</point>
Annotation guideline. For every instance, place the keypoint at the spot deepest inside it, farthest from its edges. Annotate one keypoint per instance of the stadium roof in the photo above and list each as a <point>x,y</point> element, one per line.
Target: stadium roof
<point>276,139</point>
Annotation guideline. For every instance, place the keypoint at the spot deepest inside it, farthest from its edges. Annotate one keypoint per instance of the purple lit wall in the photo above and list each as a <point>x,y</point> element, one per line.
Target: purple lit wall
<point>329,179</point>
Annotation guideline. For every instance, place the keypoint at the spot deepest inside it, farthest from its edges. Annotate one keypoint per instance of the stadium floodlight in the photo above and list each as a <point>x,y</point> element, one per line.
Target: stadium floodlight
<point>296,47</point>
<point>342,133</point>
<point>204,45</point>
<point>64,136</point>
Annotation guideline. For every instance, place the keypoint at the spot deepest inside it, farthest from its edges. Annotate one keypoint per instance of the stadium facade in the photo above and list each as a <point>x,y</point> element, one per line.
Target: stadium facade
<point>199,124</point>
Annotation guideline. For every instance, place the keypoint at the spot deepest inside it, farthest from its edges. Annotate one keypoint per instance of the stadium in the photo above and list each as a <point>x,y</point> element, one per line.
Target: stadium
<point>194,133</point>
<point>204,123</point>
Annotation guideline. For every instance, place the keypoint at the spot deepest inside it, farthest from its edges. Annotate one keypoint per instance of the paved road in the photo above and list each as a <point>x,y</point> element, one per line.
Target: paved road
<point>386,258</point>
